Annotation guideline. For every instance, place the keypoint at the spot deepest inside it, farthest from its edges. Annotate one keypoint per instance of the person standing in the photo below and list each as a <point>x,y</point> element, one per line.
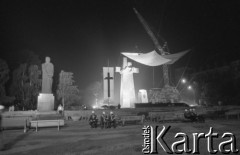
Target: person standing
<point>119,106</point>
<point>60,109</point>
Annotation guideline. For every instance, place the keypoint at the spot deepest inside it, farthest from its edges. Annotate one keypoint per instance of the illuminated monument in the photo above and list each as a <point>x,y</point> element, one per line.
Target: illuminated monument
<point>46,98</point>
<point>127,91</point>
<point>108,84</point>
<point>158,57</point>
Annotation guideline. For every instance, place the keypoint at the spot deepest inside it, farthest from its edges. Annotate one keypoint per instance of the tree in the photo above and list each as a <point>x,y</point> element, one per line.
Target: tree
<point>26,85</point>
<point>66,91</point>
<point>4,76</point>
<point>218,85</point>
<point>34,84</point>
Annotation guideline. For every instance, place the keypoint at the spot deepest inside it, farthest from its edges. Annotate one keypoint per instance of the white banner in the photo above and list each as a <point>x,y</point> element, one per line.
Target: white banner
<point>155,59</point>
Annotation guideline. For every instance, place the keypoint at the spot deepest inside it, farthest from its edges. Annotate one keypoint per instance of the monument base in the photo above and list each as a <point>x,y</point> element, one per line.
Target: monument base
<point>45,102</point>
<point>142,96</point>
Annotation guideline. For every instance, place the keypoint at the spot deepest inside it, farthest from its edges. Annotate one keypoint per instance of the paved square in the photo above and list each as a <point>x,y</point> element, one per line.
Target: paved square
<point>78,138</point>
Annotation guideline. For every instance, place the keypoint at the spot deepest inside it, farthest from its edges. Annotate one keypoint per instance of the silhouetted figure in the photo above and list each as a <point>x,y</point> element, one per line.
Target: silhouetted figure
<point>193,116</point>
<point>187,114</point>
<point>112,119</point>
<point>103,120</point>
<point>93,120</point>
<point>60,109</point>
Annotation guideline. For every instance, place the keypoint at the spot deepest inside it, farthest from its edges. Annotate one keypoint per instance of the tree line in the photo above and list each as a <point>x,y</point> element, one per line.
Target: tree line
<point>21,86</point>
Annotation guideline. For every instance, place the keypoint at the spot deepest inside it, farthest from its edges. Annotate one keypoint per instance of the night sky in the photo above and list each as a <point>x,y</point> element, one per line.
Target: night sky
<point>81,36</point>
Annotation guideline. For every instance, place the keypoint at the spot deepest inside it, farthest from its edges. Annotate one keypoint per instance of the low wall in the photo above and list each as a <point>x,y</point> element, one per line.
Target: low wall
<point>19,114</point>
<point>26,113</point>
<point>120,112</point>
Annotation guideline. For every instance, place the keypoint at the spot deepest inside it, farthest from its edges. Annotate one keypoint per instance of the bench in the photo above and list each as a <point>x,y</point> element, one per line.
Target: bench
<point>125,119</point>
<point>15,122</point>
<point>233,113</point>
<point>165,116</point>
<point>47,123</point>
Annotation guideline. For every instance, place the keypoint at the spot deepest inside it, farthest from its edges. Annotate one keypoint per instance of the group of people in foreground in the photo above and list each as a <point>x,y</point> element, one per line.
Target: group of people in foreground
<point>193,116</point>
<point>106,121</point>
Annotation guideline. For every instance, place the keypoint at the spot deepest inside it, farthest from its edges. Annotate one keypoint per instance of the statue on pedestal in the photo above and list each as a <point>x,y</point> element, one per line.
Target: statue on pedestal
<point>46,98</point>
<point>47,74</point>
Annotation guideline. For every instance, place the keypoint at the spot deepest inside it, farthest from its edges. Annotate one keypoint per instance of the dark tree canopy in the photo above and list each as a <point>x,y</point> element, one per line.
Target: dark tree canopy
<point>67,91</point>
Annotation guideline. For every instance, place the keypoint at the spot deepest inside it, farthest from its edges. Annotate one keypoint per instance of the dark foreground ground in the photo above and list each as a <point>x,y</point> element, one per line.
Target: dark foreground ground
<point>77,138</point>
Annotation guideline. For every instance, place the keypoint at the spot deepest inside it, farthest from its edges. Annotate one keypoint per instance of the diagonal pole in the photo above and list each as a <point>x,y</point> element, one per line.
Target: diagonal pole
<point>156,43</point>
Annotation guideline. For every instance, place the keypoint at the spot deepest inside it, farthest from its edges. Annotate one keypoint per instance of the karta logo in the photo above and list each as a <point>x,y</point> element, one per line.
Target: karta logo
<point>153,139</point>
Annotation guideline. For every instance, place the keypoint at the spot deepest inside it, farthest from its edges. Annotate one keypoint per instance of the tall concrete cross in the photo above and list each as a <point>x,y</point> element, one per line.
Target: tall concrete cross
<point>127,92</point>
<point>108,84</point>
<point>108,78</point>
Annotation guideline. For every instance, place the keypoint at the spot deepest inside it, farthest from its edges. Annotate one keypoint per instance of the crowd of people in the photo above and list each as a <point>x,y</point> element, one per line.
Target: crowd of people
<point>106,120</point>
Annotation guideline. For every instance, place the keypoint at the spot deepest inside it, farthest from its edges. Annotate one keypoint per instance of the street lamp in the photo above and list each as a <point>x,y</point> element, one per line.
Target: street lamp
<point>193,90</point>
<point>183,81</point>
<point>189,87</point>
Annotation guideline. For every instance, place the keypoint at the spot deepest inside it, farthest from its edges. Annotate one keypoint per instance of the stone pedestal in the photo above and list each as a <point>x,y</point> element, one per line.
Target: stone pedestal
<point>45,102</point>
<point>142,96</point>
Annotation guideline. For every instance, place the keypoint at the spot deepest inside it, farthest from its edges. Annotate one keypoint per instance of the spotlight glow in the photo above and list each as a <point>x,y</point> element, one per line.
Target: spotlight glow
<point>183,80</point>
<point>189,87</point>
